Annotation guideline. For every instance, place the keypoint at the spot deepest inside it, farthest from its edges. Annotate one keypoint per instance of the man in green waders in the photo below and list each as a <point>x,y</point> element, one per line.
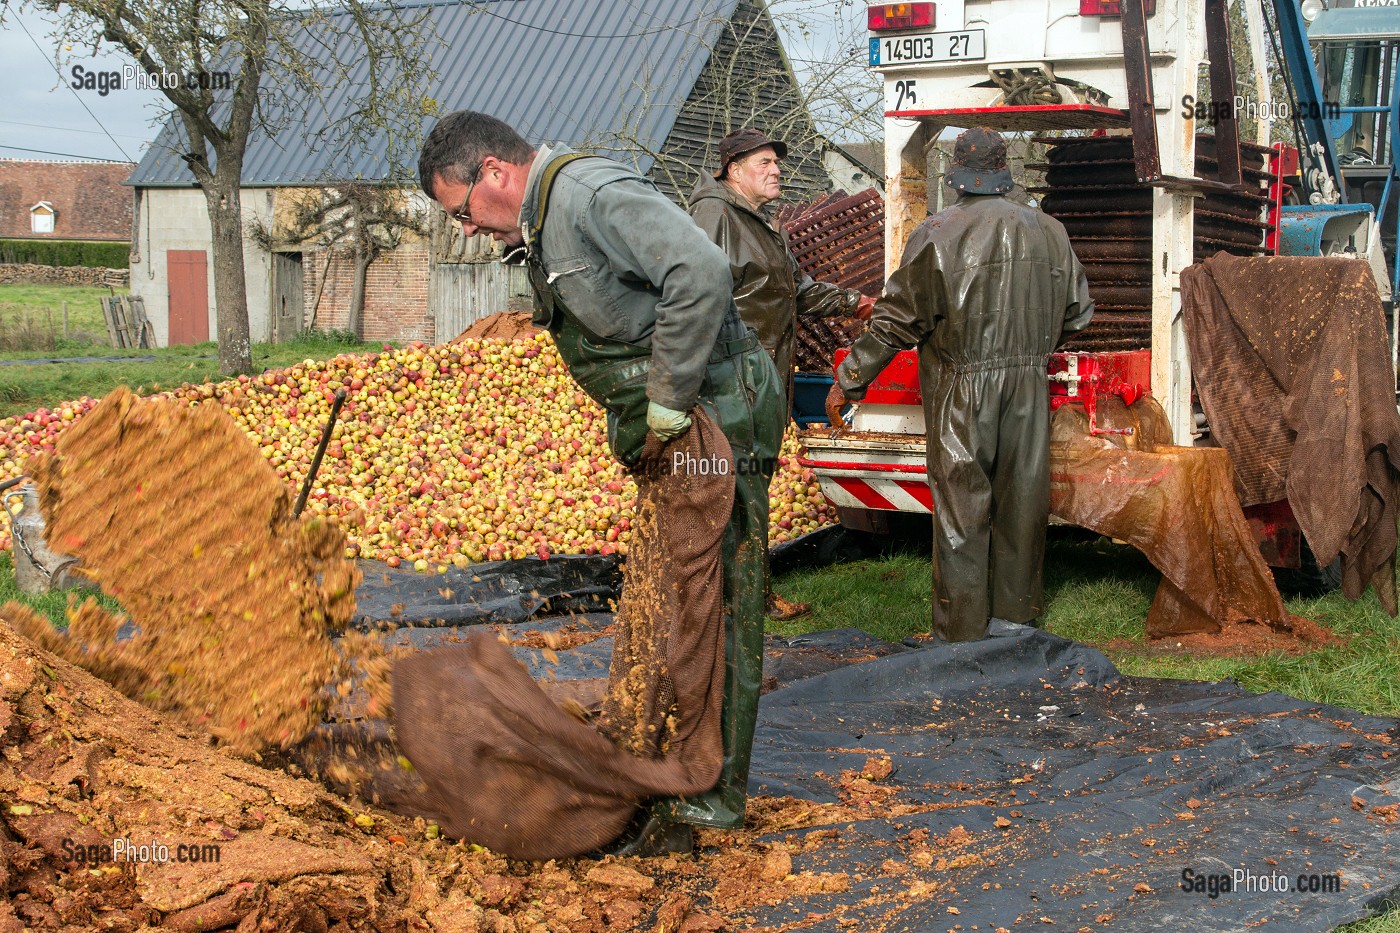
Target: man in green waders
<point>641,310</point>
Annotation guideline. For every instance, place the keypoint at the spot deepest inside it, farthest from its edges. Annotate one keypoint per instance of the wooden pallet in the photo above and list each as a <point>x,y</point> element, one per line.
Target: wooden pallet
<point>127,324</point>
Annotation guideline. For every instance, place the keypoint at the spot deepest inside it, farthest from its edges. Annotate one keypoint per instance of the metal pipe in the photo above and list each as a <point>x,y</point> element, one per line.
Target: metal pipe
<point>320,452</point>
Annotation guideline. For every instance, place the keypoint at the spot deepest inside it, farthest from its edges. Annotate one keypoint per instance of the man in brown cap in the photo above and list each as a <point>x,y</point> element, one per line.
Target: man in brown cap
<point>986,290</point>
<point>769,288</point>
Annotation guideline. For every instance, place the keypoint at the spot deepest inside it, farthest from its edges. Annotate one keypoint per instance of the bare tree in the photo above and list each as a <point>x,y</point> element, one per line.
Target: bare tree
<point>232,67</point>
<point>364,220</point>
<point>828,47</point>
<point>748,80</point>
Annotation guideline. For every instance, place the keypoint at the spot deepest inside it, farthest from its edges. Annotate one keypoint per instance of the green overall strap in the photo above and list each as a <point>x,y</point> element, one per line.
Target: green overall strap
<point>613,372</point>
<point>551,172</point>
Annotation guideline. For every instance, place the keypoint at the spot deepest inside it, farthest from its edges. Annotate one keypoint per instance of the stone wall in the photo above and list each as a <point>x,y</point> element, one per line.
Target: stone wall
<point>30,274</point>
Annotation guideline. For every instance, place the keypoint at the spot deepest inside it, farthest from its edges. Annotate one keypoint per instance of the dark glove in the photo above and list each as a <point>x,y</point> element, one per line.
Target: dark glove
<point>868,358</point>
<point>848,380</point>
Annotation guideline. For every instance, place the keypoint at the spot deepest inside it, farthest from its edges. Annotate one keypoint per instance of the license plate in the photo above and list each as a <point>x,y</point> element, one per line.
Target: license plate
<point>898,51</point>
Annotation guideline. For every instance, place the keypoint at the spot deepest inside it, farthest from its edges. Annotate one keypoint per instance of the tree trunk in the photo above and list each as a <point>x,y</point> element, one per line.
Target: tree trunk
<point>356,323</point>
<point>230,286</point>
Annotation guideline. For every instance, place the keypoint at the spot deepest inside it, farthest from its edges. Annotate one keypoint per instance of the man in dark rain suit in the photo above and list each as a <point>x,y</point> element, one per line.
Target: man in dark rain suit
<point>986,290</point>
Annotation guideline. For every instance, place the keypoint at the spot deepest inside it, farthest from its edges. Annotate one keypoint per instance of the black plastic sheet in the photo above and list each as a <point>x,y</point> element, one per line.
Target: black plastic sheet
<point>496,591</point>
<point>1053,789</point>
<point>516,590</point>
<point>1111,788</point>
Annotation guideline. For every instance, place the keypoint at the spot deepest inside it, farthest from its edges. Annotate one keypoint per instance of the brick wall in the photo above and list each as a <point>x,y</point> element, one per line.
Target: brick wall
<point>396,293</point>
<point>89,199</point>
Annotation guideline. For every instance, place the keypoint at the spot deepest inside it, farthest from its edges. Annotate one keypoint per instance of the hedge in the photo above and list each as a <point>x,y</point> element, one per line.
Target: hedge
<point>66,253</point>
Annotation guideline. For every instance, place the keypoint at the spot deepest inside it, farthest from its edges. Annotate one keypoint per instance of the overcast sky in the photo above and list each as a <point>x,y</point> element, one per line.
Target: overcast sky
<point>43,117</point>
<point>42,112</point>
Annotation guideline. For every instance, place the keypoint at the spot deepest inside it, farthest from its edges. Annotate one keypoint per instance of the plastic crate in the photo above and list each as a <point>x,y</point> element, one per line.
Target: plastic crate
<point>809,393</point>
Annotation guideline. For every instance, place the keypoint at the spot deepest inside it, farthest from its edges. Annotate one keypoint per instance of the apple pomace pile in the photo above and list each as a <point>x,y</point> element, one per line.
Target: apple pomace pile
<point>452,454</point>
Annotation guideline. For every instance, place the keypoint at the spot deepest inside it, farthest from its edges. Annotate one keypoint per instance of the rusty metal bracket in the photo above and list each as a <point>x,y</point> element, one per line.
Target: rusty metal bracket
<point>1222,88</point>
<point>1137,66</point>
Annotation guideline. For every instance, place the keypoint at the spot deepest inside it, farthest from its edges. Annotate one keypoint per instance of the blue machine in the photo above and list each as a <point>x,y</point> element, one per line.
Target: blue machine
<point>1344,66</point>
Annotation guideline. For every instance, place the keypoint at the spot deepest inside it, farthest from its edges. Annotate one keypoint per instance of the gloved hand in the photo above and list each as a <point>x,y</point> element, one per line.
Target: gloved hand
<point>847,373</point>
<point>666,423</point>
<point>863,308</point>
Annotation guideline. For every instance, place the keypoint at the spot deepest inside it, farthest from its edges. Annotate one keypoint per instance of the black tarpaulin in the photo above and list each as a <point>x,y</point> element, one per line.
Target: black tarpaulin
<point>1107,789</point>
<point>1031,784</point>
<point>1050,789</point>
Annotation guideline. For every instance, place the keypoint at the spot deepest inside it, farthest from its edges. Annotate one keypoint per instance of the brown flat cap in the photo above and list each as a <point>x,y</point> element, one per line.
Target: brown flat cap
<point>743,141</point>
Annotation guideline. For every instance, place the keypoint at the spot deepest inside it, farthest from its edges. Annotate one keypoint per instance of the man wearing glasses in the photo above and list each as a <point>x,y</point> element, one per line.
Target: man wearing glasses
<point>639,304</point>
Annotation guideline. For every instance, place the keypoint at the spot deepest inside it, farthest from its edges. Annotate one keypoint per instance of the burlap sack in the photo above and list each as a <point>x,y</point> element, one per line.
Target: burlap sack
<point>507,767</point>
<point>1290,359</point>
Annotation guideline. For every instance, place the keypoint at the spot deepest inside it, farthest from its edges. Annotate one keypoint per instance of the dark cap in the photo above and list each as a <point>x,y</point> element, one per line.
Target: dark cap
<point>739,142</point>
<point>979,163</point>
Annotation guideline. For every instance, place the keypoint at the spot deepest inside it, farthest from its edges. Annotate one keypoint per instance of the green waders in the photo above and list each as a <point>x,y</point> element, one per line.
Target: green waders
<point>742,394</point>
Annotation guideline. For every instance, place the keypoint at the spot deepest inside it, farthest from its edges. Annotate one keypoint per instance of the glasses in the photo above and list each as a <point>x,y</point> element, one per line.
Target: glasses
<point>462,214</point>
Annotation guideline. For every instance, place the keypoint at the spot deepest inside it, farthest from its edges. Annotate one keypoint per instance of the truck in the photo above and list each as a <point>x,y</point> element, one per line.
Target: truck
<point>1110,87</point>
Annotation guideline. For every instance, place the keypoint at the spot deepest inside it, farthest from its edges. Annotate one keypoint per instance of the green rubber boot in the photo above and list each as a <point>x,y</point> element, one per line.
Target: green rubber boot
<point>754,421</point>
<point>745,566</point>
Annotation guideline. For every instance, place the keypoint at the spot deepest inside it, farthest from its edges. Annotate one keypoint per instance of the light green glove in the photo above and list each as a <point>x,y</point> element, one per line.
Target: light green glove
<point>666,423</point>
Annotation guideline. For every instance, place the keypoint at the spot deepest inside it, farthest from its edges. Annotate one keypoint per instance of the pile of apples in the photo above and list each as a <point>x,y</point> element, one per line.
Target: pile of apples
<point>445,455</point>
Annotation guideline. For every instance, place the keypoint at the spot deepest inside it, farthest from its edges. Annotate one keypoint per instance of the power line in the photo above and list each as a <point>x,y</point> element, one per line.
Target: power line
<point>68,154</point>
<point>66,129</point>
<point>74,90</point>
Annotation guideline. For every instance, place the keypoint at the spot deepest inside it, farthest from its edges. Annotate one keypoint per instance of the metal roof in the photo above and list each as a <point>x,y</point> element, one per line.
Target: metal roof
<point>572,71</point>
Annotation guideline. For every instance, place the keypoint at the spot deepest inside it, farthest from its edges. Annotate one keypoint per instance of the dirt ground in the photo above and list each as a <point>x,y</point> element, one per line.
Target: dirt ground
<point>504,325</point>
<point>1237,639</point>
<point>84,766</point>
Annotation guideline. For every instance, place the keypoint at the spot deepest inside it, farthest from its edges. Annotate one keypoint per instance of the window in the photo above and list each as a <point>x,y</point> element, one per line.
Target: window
<point>41,217</point>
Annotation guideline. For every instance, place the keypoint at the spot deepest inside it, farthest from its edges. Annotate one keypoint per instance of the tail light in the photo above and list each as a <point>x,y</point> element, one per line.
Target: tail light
<point>899,16</point>
<point>1112,7</point>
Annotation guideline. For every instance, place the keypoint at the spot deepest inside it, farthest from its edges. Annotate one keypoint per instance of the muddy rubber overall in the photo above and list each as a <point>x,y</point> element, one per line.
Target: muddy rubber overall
<point>742,393</point>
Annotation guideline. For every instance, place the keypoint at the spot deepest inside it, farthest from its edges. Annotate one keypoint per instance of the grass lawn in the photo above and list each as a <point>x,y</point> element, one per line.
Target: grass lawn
<point>31,327</point>
<point>1098,593</point>
<point>24,388</point>
<point>34,314</point>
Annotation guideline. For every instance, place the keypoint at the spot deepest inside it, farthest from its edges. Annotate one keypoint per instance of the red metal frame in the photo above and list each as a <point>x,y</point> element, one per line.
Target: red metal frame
<point>897,385</point>
<point>1283,162</point>
<point>1126,374</point>
<point>1050,117</point>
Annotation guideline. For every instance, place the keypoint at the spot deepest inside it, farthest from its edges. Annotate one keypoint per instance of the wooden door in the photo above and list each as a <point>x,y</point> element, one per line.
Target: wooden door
<point>187,278</point>
<point>286,296</point>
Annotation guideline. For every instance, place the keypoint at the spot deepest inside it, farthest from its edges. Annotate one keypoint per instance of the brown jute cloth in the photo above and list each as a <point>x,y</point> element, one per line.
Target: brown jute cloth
<point>507,767</point>
<point>1176,505</point>
<point>1291,363</point>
